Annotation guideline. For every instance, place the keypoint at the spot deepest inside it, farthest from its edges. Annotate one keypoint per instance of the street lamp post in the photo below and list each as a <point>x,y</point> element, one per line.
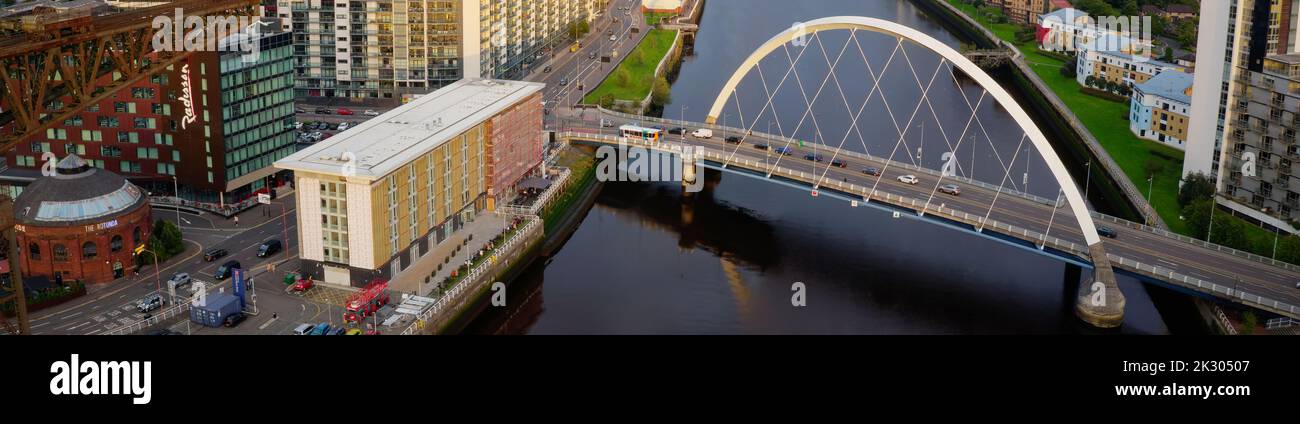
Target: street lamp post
<point>1150,184</point>
<point>683,123</point>
<point>177,192</point>
<point>1087,181</point>
<point>156,276</point>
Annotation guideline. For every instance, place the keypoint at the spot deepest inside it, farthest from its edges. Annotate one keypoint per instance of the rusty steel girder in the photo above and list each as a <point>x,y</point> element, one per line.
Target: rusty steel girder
<point>35,72</point>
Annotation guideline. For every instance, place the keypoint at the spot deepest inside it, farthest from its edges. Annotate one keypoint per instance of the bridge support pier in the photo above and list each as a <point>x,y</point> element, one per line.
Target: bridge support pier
<point>1100,302</point>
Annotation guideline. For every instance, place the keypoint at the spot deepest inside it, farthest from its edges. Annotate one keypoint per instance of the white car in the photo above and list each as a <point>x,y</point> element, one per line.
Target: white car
<point>908,179</point>
<point>613,38</point>
<point>370,112</point>
<point>343,126</point>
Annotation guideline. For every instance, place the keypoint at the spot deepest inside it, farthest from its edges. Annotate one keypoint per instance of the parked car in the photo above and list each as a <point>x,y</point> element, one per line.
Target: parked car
<point>268,248</point>
<point>547,69</point>
<point>812,157</point>
<point>297,125</point>
<point>591,55</point>
<point>1107,232</point>
<point>613,38</point>
<point>354,332</point>
<point>324,111</point>
<point>343,126</point>
<point>564,82</point>
<point>371,112</point>
<point>214,254</point>
<point>702,133</point>
<point>952,189</point>
<point>302,285</point>
<point>909,179</point>
<point>226,269</point>
<point>317,135</point>
<point>149,303</point>
<point>345,111</point>
<point>234,319</point>
<point>761,146</point>
<point>871,170</point>
<point>839,163</point>
<point>302,329</point>
<point>178,280</point>
<point>733,140</point>
<point>337,331</point>
<point>319,329</point>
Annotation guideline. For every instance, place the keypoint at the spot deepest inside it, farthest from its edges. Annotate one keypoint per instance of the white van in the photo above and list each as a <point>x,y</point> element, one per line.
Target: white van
<point>702,133</point>
<point>302,329</point>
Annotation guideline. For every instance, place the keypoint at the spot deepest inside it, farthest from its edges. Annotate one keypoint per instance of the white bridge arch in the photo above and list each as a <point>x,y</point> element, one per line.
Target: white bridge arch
<point>1107,313</point>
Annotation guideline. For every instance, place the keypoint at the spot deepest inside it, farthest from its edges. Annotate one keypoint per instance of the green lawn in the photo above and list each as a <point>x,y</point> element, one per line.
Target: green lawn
<point>653,18</point>
<point>1108,122</point>
<point>634,77</point>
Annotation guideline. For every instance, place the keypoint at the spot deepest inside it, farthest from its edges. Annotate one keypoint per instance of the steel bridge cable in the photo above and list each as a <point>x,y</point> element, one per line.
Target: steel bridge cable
<point>980,123</point>
<point>960,140</point>
<point>903,134</point>
<point>1004,183</point>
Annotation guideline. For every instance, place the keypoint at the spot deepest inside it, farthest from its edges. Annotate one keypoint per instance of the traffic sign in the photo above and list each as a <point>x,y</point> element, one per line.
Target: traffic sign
<point>264,198</point>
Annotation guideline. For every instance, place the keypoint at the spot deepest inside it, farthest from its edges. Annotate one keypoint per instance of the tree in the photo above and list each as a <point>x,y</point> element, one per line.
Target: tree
<point>1153,165</point>
<point>1090,81</point>
<point>662,92</point>
<point>1026,33</point>
<point>1169,55</point>
<point>1288,249</point>
<point>1195,186</point>
<point>1069,70</point>
<point>1248,322</point>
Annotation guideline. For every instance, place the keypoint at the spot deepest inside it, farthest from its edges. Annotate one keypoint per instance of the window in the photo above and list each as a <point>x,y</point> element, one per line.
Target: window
<point>142,93</point>
<point>107,121</point>
<point>115,244</point>
<point>34,250</point>
<point>135,236</point>
<point>89,250</point>
<point>60,253</point>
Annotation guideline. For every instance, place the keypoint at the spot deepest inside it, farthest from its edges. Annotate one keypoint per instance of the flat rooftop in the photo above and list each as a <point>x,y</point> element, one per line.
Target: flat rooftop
<point>387,142</point>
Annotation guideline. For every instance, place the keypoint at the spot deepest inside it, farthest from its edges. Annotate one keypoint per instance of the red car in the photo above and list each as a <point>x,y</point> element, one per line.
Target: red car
<point>303,285</point>
<point>345,111</point>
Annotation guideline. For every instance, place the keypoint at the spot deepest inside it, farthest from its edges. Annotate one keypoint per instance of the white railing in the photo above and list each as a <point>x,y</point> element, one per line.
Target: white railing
<point>1197,242</point>
<point>1224,321</point>
<point>1283,322</point>
<point>524,233</point>
<point>1205,286</point>
<point>542,200</point>
<point>981,223</point>
<point>183,307</point>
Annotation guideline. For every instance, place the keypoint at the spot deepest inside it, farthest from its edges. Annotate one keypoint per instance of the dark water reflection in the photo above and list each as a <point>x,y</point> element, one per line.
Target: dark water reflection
<point>646,261</point>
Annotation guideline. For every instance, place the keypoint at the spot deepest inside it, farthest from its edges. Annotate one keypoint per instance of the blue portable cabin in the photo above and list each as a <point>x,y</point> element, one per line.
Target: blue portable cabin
<point>218,307</point>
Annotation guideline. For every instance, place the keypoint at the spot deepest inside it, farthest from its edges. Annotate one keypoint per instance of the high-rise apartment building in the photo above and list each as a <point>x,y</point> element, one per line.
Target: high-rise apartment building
<point>1235,38</point>
<point>400,48</point>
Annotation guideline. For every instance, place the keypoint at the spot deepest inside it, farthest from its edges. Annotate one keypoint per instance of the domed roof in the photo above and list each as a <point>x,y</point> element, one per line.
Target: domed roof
<point>77,194</point>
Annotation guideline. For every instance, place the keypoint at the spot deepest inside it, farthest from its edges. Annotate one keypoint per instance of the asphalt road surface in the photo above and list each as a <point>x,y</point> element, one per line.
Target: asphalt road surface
<point>1254,277</point>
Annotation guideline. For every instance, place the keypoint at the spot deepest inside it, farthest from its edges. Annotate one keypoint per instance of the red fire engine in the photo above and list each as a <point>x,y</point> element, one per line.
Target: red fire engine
<point>364,303</point>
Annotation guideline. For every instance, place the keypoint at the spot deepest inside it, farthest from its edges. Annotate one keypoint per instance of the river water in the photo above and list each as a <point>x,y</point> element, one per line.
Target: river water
<point>646,260</point>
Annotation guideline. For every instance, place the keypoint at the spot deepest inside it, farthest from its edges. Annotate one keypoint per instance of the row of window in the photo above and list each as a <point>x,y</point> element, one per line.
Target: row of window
<point>59,252</point>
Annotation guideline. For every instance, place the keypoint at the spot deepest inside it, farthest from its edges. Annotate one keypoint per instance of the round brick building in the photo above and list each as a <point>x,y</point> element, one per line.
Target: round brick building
<point>82,223</point>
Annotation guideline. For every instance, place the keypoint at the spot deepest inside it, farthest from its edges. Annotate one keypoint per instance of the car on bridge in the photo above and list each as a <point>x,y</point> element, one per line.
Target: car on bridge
<point>839,163</point>
<point>813,157</point>
<point>785,151</point>
<point>733,140</point>
<point>871,170</point>
<point>677,131</point>
<point>761,146</point>
<point>909,179</point>
<point>952,189</point>
<point>1107,232</point>
<point>702,133</point>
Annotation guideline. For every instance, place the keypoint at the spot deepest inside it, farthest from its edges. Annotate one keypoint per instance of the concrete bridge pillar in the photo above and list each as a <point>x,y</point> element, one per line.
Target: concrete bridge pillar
<point>1100,303</point>
<point>689,175</point>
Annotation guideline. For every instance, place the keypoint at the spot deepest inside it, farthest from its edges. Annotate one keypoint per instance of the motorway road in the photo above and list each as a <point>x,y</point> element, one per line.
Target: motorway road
<point>578,67</point>
<point>1227,270</point>
<point>115,305</point>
